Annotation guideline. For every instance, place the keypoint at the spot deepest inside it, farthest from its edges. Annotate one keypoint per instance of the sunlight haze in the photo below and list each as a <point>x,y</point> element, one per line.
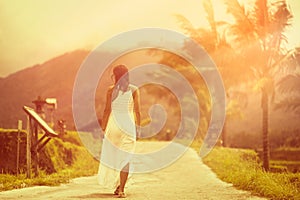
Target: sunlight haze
<point>32,31</point>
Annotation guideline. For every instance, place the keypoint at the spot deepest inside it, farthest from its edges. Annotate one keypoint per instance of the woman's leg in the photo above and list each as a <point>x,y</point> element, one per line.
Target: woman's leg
<point>123,177</point>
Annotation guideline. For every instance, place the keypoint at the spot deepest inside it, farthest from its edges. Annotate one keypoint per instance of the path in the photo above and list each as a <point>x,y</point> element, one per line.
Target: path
<point>187,178</point>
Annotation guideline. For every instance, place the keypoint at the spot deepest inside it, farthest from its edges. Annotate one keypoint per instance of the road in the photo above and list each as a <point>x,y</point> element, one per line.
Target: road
<point>187,178</point>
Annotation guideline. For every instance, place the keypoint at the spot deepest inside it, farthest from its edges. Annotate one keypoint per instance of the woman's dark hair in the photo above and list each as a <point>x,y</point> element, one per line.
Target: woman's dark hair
<point>119,71</point>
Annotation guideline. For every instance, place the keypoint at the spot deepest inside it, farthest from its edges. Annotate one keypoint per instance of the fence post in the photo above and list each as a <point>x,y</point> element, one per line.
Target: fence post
<point>35,156</point>
<point>18,145</point>
<point>28,147</point>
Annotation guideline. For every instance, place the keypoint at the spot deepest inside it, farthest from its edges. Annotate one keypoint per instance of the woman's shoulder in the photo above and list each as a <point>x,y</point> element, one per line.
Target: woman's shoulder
<point>134,90</point>
<point>133,87</point>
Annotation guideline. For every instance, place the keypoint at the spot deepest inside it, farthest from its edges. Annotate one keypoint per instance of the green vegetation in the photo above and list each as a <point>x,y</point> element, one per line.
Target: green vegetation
<point>243,169</point>
<point>8,150</point>
<point>63,159</point>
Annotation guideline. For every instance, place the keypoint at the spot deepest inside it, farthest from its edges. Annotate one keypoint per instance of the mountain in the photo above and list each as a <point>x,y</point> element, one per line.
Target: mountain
<point>52,79</point>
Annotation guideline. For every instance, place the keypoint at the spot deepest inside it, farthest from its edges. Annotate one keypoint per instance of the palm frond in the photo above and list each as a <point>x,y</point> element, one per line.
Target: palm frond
<point>281,16</point>
<point>284,62</point>
<point>243,31</point>
<point>289,104</point>
<point>186,25</point>
<point>290,83</point>
<point>208,7</point>
<point>234,8</point>
<point>261,17</point>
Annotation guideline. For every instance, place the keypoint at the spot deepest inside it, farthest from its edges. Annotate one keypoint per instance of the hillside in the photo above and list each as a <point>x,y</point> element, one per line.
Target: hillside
<point>53,78</point>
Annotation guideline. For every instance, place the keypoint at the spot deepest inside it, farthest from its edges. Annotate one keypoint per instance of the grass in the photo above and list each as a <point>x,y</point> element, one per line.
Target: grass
<point>242,168</point>
<point>8,182</point>
<point>69,159</point>
<point>85,165</point>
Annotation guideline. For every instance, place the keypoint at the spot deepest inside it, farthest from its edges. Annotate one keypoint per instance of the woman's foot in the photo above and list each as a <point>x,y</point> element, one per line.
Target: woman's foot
<point>116,192</point>
<point>121,195</point>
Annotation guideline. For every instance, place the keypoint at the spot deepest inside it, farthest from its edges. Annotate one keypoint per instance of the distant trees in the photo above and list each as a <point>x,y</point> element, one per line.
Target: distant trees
<point>174,109</point>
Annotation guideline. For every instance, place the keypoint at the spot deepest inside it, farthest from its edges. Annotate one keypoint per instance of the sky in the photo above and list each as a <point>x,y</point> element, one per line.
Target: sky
<point>34,31</point>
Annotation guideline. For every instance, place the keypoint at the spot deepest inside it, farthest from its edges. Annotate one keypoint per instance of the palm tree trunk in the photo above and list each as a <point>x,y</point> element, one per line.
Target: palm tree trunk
<point>265,134</point>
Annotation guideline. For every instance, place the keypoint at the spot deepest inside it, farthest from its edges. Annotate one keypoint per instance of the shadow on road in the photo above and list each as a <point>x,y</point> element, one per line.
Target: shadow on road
<point>95,195</point>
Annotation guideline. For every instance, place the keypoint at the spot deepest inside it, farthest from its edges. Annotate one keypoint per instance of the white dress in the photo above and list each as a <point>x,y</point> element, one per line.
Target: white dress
<point>119,140</point>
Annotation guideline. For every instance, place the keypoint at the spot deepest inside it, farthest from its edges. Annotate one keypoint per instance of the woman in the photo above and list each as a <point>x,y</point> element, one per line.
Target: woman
<point>120,120</point>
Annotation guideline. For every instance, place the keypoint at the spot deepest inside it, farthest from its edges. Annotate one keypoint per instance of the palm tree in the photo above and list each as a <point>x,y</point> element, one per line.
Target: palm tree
<point>208,38</point>
<point>257,35</point>
<point>213,40</point>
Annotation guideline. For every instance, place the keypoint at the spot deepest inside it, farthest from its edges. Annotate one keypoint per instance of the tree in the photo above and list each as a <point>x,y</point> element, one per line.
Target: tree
<point>213,40</point>
<point>258,33</point>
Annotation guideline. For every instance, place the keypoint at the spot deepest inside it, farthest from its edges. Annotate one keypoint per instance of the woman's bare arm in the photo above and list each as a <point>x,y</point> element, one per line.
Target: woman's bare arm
<point>107,108</point>
<point>136,100</point>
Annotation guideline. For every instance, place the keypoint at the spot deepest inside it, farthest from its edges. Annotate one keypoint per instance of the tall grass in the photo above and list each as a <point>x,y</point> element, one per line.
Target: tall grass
<point>242,168</point>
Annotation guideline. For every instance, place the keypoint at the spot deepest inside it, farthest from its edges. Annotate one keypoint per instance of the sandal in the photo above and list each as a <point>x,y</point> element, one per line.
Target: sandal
<point>121,195</point>
<point>116,192</point>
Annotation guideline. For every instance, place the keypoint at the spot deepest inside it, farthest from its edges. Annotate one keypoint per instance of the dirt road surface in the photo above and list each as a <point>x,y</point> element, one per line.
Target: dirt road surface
<point>187,178</point>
